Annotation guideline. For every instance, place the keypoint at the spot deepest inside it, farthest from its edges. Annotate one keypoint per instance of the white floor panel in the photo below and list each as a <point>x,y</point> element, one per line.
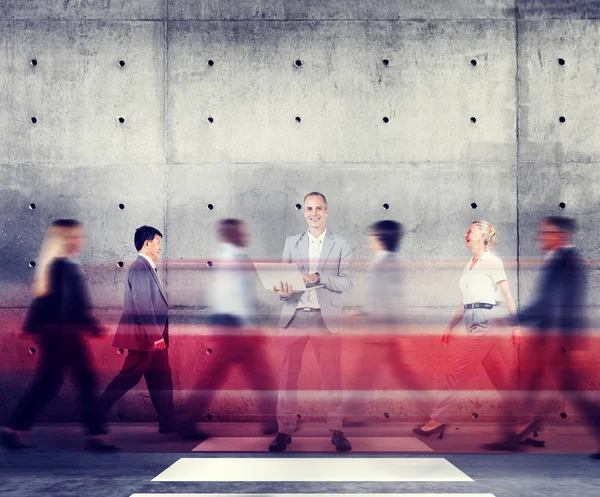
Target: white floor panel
<point>313,444</point>
<point>312,469</point>
<point>262,494</point>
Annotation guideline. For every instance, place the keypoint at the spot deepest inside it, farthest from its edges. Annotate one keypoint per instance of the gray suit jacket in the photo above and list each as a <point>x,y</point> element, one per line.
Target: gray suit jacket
<point>334,269</point>
<point>145,309</point>
<point>383,300</point>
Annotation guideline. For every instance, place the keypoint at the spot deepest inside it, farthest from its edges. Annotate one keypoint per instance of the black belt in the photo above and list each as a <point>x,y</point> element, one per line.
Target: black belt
<point>308,309</point>
<point>479,305</point>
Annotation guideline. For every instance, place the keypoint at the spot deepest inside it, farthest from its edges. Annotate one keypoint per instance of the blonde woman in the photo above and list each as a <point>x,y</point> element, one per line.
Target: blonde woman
<point>59,325</point>
<point>481,277</point>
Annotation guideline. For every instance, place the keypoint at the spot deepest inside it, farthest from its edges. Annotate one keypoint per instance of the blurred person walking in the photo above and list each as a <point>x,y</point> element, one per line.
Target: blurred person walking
<point>380,317</point>
<point>556,347</point>
<point>59,317</point>
<point>234,337</point>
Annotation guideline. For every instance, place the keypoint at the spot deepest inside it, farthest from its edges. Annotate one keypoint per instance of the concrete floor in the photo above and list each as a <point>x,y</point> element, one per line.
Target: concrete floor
<point>59,467</point>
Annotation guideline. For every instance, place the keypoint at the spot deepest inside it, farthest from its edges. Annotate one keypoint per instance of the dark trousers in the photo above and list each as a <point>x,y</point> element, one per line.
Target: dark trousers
<point>230,346</point>
<point>555,358</point>
<point>154,367</point>
<point>59,353</point>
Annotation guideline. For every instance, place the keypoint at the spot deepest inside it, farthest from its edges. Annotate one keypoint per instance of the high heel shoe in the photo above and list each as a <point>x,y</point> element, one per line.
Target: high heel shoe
<point>532,427</point>
<point>438,429</point>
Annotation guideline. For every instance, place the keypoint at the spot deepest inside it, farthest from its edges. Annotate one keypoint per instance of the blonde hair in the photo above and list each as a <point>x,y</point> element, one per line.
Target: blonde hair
<point>490,233</point>
<point>53,247</point>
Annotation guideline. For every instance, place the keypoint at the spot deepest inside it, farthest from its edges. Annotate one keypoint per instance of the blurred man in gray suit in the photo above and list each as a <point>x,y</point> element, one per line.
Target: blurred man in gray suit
<point>144,331</point>
<point>323,259</point>
<point>379,318</point>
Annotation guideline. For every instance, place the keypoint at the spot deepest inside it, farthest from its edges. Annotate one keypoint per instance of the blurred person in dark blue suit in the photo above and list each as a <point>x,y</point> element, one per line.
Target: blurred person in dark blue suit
<point>557,315</point>
<point>58,318</point>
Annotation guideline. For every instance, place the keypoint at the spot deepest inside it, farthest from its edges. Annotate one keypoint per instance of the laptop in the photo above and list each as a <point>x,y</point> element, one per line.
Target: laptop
<point>273,273</point>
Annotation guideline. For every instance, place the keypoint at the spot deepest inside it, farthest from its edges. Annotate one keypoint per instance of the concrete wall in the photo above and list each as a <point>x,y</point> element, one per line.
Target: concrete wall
<point>472,91</point>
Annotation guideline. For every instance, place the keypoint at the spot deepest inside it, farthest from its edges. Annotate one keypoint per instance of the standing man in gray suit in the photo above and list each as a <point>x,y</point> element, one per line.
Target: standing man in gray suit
<point>144,331</point>
<point>323,259</point>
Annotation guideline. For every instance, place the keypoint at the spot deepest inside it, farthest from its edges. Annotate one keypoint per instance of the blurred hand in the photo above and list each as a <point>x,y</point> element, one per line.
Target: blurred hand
<point>160,345</point>
<point>446,336</point>
<point>517,336</point>
<point>501,321</point>
<point>285,289</point>
<point>310,279</point>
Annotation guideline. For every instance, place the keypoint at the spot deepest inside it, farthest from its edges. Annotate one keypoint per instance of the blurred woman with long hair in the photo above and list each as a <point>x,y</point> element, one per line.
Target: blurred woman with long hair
<point>61,316</point>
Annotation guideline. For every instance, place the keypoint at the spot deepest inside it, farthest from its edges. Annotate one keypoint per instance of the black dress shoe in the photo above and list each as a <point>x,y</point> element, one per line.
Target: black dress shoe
<point>95,445</point>
<point>10,440</point>
<point>280,443</point>
<point>164,429</point>
<point>342,444</point>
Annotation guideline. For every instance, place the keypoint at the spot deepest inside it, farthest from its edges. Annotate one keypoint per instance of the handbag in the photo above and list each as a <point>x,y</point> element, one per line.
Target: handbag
<point>38,315</point>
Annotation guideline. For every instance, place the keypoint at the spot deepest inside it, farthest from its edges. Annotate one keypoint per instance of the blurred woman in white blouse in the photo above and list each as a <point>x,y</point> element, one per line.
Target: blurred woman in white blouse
<point>481,278</point>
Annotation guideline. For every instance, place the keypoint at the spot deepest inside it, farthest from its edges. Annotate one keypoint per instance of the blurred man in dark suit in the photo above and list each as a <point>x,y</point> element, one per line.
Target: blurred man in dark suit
<point>557,315</point>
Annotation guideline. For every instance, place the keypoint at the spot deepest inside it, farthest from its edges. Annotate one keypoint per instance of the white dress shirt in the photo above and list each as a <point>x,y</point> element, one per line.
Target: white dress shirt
<point>480,283</point>
<point>309,298</point>
<point>153,267</point>
<point>234,291</point>
<point>149,260</point>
